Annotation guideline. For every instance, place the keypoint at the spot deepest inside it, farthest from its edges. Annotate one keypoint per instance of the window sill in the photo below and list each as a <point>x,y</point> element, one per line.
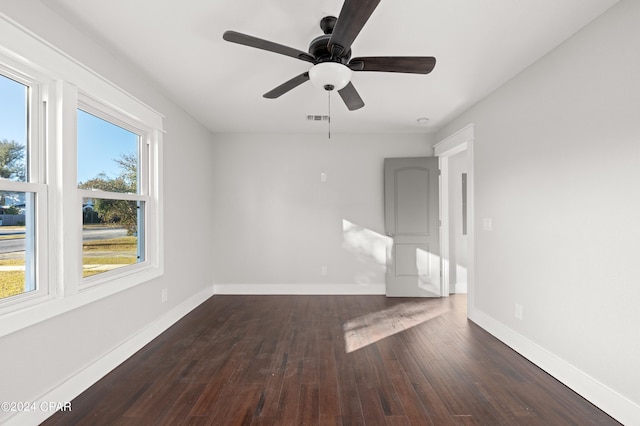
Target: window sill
<point>50,306</point>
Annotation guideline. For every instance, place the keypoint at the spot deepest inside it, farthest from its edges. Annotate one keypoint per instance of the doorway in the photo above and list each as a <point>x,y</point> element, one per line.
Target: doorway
<point>455,157</point>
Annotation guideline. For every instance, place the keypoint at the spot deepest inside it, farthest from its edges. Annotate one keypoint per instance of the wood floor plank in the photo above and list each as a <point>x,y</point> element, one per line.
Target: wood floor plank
<point>350,406</point>
<point>180,409</point>
<point>328,360</point>
<point>309,406</point>
<point>415,412</point>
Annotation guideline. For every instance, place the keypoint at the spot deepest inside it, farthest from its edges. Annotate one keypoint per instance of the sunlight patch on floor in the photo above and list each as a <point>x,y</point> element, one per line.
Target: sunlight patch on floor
<point>371,328</point>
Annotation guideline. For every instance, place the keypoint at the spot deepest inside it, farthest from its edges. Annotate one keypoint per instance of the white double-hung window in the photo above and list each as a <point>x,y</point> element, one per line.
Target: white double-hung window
<point>23,190</point>
<point>113,183</point>
<point>117,164</point>
<point>80,184</point>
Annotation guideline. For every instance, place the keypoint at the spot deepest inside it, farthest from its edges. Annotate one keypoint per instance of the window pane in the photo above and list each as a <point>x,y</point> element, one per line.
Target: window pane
<point>111,236</point>
<point>16,243</point>
<point>13,130</point>
<point>108,156</point>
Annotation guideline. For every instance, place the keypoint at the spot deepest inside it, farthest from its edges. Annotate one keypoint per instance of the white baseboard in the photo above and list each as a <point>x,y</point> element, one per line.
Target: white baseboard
<point>300,289</point>
<point>81,381</point>
<point>617,406</point>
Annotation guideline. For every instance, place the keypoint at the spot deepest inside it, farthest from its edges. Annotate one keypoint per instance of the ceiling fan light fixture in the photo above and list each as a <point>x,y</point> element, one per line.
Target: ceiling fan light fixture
<point>330,75</point>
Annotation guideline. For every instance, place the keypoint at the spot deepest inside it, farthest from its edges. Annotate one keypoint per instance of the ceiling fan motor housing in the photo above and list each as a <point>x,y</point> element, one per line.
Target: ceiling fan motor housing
<point>319,47</point>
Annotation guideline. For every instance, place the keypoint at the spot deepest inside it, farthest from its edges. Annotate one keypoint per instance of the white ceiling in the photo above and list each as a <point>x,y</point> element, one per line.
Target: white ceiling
<point>479,45</point>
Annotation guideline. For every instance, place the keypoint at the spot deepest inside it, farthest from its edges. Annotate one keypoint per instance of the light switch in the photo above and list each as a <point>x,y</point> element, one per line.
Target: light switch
<point>323,177</point>
<point>487,224</point>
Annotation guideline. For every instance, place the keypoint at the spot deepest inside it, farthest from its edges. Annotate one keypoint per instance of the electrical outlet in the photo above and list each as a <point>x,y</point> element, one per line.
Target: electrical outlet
<point>324,271</point>
<point>323,177</point>
<point>518,311</point>
<point>163,295</point>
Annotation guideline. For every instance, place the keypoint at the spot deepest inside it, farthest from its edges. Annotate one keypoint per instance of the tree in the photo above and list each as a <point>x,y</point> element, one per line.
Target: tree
<point>122,212</point>
<point>12,164</point>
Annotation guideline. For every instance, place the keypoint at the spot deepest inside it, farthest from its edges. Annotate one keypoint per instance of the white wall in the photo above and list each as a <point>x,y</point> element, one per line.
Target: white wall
<point>557,169</point>
<point>277,224</point>
<point>37,359</point>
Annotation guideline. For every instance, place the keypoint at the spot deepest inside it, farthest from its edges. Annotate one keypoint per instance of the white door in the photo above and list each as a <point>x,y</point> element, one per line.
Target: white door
<point>411,219</point>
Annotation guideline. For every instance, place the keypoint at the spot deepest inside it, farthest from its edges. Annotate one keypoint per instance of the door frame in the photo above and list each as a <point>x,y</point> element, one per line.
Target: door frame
<point>460,141</point>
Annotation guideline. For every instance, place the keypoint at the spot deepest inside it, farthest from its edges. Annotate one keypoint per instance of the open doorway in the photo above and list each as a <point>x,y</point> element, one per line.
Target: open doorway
<point>455,155</point>
<point>458,223</point>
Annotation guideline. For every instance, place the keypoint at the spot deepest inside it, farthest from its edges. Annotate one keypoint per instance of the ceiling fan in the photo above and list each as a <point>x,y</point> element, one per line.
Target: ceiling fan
<point>330,54</point>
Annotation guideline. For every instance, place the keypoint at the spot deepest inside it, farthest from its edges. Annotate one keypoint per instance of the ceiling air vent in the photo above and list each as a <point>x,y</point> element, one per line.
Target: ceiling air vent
<point>311,117</point>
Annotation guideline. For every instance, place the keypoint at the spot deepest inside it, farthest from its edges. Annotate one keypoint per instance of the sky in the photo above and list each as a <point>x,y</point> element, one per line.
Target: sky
<point>13,105</point>
<point>99,142</point>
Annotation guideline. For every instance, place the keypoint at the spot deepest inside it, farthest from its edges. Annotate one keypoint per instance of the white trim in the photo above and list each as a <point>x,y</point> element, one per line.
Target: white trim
<point>98,193</point>
<point>471,227</point>
<point>617,406</point>
<point>67,232</point>
<point>15,186</point>
<point>455,143</point>
<point>300,289</point>
<point>445,252</point>
<point>88,376</point>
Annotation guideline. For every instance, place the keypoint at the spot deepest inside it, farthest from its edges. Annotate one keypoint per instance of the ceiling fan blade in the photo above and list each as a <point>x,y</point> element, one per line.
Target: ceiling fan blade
<point>405,64</point>
<point>287,85</point>
<point>258,43</point>
<point>351,98</point>
<point>353,16</point>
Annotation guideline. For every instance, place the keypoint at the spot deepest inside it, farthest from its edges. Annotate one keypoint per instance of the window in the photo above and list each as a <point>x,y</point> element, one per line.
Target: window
<point>22,196</point>
<point>80,185</point>
<point>117,180</point>
<point>109,167</point>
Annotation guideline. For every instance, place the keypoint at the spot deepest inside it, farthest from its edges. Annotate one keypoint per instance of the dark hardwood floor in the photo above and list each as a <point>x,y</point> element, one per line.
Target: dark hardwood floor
<point>328,360</point>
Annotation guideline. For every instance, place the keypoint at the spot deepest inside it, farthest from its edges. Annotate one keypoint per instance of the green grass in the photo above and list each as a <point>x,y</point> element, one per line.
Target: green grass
<point>11,283</point>
<point>11,237</point>
<point>122,244</point>
<point>118,260</point>
<point>115,251</point>
<point>11,262</point>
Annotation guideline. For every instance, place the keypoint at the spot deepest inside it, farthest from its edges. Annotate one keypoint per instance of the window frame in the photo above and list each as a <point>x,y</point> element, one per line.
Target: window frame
<point>150,193</point>
<point>35,183</point>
